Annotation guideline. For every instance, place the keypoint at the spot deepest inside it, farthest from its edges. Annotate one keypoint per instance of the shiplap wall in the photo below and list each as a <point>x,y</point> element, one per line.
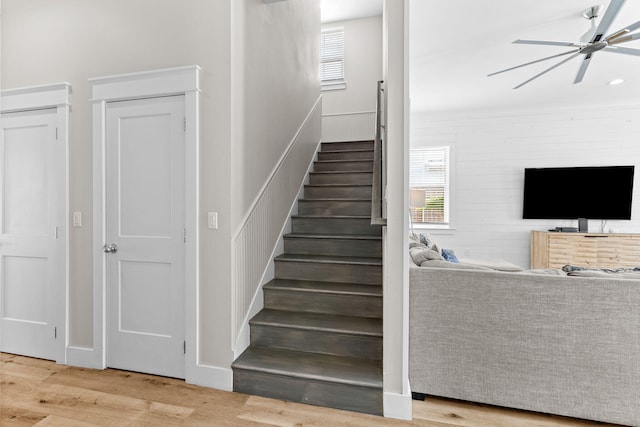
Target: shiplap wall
<point>490,153</point>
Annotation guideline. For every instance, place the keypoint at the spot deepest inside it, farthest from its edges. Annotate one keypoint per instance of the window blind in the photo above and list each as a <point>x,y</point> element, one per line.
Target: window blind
<point>429,184</point>
<point>332,55</point>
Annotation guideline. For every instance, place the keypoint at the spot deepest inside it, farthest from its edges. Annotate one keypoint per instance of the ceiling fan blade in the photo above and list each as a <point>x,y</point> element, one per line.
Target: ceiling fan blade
<point>626,30</point>
<point>583,69</point>
<point>623,50</point>
<point>607,19</point>
<point>625,39</point>
<point>548,69</point>
<point>544,42</point>
<point>533,62</point>
<point>616,35</point>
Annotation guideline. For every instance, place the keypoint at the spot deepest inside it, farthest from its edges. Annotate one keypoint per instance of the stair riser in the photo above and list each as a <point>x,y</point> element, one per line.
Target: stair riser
<point>346,155</point>
<point>340,396</point>
<point>363,166</point>
<point>340,273</point>
<point>353,145</point>
<point>347,192</point>
<point>326,207</point>
<point>317,342</point>
<point>353,178</point>
<point>338,192</point>
<point>337,247</point>
<point>335,226</point>
<point>314,302</point>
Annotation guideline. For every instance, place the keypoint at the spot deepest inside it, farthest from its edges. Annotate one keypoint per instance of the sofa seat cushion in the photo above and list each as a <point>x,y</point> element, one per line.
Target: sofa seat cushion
<point>496,264</point>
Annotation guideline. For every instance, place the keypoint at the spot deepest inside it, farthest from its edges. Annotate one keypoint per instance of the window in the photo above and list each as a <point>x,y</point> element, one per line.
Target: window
<point>429,200</point>
<point>332,58</point>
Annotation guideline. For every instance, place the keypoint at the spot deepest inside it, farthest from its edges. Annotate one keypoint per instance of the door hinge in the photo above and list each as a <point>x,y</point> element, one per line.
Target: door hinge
<point>184,347</point>
<point>184,235</point>
<point>56,134</point>
<point>56,233</point>
<point>185,124</point>
<point>55,332</point>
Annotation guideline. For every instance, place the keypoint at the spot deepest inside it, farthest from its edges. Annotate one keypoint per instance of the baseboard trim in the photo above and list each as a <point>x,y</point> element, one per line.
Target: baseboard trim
<point>82,357</point>
<point>211,377</point>
<point>398,406</point>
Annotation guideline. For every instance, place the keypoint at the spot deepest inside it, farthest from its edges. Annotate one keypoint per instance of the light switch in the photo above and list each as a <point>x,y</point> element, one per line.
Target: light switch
<point>77,219</point>
<point>212,220</point>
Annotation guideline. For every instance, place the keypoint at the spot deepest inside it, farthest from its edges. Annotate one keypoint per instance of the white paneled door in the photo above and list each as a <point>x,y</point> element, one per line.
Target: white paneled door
<point>144,248</point>
<point>29,253</point>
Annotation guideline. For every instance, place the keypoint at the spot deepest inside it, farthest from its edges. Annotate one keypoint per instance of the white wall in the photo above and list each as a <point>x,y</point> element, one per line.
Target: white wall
<point>491,151</point>
<point>73,40</point>
<point>281,55</point>
<point>349,114</point>
<point>397,396</point>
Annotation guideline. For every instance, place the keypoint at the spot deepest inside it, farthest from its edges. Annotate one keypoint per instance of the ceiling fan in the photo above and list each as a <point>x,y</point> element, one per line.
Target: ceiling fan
<point>595,43</point>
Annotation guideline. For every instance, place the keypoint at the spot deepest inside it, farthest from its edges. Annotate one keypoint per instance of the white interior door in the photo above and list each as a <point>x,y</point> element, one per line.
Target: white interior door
<point>145,222</point>
<point>29,267</point>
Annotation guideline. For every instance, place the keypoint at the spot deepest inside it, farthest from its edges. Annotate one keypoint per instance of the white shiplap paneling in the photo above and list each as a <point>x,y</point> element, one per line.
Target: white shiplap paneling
<point>491,152</point>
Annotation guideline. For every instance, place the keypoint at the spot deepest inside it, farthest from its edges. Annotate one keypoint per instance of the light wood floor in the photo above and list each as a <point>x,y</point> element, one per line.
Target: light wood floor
<point>41,393</point>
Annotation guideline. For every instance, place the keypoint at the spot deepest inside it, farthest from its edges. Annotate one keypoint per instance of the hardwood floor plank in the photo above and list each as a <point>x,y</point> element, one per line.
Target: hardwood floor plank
<point>55,421</point>
<point>465,414</point>
<point>40,393</point>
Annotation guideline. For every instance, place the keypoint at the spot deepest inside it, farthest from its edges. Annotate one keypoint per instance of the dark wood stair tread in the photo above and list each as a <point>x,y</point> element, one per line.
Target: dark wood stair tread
<point>348,150</point>
<point>338,185</point>
<point>312,366</point>
<point>333,216</point>
<point>345,325</point>
<point>345,160</point>
<point>327,259</point>
<point>324,287</point>
<point>334,199</point>
<point>339,172</point>
<point>331,236</point>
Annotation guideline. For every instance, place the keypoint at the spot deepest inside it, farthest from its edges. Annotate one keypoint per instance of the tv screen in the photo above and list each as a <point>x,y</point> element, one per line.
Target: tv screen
<point>602,192</point>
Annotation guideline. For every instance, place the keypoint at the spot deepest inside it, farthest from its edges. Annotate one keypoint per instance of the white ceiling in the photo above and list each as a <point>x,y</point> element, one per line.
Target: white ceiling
<point>342,10</point>
<point>455,44</point>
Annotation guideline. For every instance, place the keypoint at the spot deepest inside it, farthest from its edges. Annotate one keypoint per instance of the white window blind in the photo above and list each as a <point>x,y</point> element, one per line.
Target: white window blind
<point>332,56</point>
<point>429,184</point>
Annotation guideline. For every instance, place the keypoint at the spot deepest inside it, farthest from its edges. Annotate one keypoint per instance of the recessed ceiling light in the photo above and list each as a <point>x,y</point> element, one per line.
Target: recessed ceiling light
<point>616,82</point>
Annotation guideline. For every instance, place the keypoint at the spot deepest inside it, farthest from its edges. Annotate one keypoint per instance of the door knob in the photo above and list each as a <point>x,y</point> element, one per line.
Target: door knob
<point>110,249</point>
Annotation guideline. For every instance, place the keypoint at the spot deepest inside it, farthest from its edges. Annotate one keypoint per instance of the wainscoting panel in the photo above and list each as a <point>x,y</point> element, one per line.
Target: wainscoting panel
<point>260,231</point>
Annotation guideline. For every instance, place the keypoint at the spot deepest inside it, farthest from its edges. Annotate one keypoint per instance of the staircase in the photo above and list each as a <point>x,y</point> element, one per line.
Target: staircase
<point>318,339</point>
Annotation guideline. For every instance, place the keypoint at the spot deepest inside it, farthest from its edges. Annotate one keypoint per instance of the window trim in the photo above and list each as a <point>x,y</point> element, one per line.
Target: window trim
<point>333,84</point>
<point>445,228</point>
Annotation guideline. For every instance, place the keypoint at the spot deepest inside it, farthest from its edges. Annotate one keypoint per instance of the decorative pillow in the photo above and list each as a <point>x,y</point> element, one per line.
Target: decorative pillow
<point>416,245</point>
<point>426,240</point>
<point>448,255</point>
<point>419,255</point>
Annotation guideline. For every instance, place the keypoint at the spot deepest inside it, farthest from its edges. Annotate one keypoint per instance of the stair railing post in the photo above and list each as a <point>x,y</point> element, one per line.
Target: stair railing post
<point>378,216</point>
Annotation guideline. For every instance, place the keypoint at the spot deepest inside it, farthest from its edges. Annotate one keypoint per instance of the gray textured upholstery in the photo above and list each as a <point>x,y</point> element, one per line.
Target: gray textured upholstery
<point>554,344</point>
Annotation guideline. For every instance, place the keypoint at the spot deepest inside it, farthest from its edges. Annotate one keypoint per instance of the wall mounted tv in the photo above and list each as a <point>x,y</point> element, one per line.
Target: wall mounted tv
<point>601,192</point>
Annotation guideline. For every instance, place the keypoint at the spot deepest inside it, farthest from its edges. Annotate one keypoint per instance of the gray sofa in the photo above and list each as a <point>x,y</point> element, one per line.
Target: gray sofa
<point>547,343</point>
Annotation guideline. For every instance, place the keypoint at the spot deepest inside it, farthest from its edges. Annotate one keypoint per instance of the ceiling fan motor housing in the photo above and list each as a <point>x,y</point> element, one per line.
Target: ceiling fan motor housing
<point>593,12</point>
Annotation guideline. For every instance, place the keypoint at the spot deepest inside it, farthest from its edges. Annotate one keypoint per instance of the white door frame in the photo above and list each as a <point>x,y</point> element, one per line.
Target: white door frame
<point>149,84</point>
<point>53,96</point>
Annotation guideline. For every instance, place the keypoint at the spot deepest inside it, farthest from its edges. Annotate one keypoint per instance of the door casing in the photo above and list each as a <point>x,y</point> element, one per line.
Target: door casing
<point>53,96</point>
<point>151,84</point>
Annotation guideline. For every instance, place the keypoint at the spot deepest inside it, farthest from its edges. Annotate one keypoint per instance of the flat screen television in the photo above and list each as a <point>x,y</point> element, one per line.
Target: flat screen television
<point>600,192</point>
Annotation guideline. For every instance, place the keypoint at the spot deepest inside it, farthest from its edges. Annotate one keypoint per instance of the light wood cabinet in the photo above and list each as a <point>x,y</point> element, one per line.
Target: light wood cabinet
<point>554,250</point>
